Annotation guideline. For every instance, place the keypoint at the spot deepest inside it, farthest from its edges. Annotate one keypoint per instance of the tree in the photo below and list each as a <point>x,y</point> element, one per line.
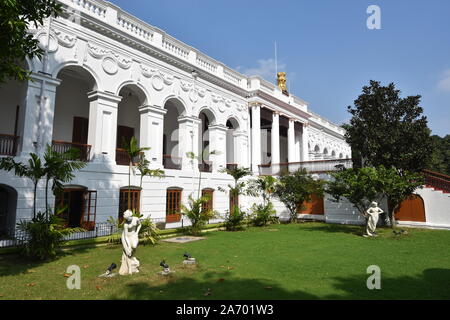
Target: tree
<point>388,130</point>
<point>191,155</point>
<point>263,186</point>
<point>440,160</point>
<point>133,151</point>
<point>359,186</point>
<point>16,44</point>
<point>239,187</point>
<point>34,171</point>
<point>144,170</point>
<point>57,167</point>
<point>294,189</point>
<point>396,186</point>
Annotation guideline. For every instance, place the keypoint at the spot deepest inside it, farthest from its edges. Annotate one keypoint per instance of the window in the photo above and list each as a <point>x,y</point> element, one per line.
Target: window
<point>135,198</point>
<point>209,205</point>
<point>173,205</point>
<point>78,207</point>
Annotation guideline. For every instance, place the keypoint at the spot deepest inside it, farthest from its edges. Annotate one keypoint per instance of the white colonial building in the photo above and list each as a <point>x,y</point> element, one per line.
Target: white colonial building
<point>108,77</point>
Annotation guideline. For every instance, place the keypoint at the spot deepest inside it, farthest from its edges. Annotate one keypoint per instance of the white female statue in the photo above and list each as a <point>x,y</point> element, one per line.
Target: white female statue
<point>372,215</point>
<point>130,241</point>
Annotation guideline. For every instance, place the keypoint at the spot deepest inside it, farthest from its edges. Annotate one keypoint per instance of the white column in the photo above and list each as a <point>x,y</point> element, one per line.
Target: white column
<point>240,146</point>
<point>102,132</point>
<point>36,119</point>
<point>256,138</point>
<point>188,141</point>
<point>275,142</point>
<point>151,133</point>
<point>305,138</point>
<point>218,143</point>
<point>291,141</point>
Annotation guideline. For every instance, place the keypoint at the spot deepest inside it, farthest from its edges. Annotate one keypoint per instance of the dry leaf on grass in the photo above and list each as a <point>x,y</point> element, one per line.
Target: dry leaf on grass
<point>221,280</point>
<point>98,288</point>
<point>31,284</point>
<point>67,275</point>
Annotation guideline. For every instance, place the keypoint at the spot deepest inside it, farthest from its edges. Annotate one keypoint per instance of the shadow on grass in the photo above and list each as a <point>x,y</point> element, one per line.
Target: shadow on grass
<point>431,284</point>
<point>212,286</point>
<point>15,264</point>
<point>333,228</point>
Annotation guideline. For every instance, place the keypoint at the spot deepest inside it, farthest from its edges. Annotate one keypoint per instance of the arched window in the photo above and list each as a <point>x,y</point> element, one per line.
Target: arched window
<point>173,204</point>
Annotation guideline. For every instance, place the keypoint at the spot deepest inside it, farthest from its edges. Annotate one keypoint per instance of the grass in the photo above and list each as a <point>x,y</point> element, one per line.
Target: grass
<point>299,261</point>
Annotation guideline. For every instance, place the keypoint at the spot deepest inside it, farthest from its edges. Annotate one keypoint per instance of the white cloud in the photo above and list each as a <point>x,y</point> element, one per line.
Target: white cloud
<point>444,83</point>
<point>265,69</point>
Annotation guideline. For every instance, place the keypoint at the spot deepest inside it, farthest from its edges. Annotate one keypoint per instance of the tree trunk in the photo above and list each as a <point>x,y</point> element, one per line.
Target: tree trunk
<point>34,199</point>
<point>129,185</point>
<point>392,217</point>
<point>46,198</point>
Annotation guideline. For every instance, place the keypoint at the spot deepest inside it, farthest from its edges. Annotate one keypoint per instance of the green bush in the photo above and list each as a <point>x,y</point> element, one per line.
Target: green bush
<point>235,220</point>
<point>197,214</point>
<point>263,214</point>
<point>44,235</point>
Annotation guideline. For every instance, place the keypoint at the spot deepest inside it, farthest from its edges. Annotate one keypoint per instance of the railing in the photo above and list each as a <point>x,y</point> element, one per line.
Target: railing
<point>92,7</point>
<point>122,158</point>
<point>84,150</point>
<point>175,47</point>
<point>320,166</point>
<point>437,180</point>
<point>129,24</point>
<point>170,162</point>
<point>8,144</point>
<point>15,237</point>
<point>232,166</point>
<point>205,167</point>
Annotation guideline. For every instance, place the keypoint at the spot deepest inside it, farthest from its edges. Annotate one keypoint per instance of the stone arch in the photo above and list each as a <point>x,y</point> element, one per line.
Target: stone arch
<point>138,89</point>
<point>85,69</point>
<point>212,117</point>
<point>178,103</point>
<point>235,124</point>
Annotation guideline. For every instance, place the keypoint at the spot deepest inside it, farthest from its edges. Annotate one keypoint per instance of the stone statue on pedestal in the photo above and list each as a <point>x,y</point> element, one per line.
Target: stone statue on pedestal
<point>372,215</point>
<point>130,241</point>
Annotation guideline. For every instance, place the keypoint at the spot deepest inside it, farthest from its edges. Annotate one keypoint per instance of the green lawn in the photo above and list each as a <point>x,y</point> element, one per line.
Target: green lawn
<point>303,261</point>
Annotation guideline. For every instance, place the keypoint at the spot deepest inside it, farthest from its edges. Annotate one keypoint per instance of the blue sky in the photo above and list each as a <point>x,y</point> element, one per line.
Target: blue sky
<point>324,45</point>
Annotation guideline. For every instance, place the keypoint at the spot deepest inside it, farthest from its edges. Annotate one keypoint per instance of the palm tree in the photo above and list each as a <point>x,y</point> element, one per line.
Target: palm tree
<point>237,173</point>
<point>143,168</point>
<point>132,151</point>
<point>59,167</point>
<point>192,156</point>
<point>264,186</point>
<point>34,171</point>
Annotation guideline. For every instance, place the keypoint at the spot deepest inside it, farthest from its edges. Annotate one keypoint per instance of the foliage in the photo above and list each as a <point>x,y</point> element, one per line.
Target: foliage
<point>396,186</point>
<point>148,233</point>
<point>388,130</point>
<point>44,235</point>
<point>359,186</point>
<point>16,44</point>
<point>144,170</point>
<point>263,214</point>
<point>197,213</point>
<point>294,189</point>
<point>440,159</point>
<point>191,155</point>
<point>234,220</point>
<point>364,185</point>
<point>133,151</point>
<point>57,167</point>
<point>239,187</point>
<point>263,186</point>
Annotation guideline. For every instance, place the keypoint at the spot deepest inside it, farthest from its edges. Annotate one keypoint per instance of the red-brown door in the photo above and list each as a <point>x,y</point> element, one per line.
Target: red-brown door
<point>315,206</point>
<point>173,205</point>
<point>411,209</point>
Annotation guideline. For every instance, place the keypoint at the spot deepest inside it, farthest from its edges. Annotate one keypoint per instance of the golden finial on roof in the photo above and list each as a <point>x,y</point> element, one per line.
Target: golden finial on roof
<point>281,82</point>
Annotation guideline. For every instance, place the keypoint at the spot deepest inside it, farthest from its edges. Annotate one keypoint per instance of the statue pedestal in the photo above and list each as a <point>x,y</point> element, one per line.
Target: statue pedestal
<point>189,261</point>
<point>165,272</point>
<point>129,265</point>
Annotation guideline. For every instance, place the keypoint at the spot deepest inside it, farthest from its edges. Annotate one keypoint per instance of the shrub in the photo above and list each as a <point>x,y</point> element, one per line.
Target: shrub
<point>197,214</point>
<point>263,214</point>
<point>148,233</point>
<point>44,235</point>
<point>234,221</point>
